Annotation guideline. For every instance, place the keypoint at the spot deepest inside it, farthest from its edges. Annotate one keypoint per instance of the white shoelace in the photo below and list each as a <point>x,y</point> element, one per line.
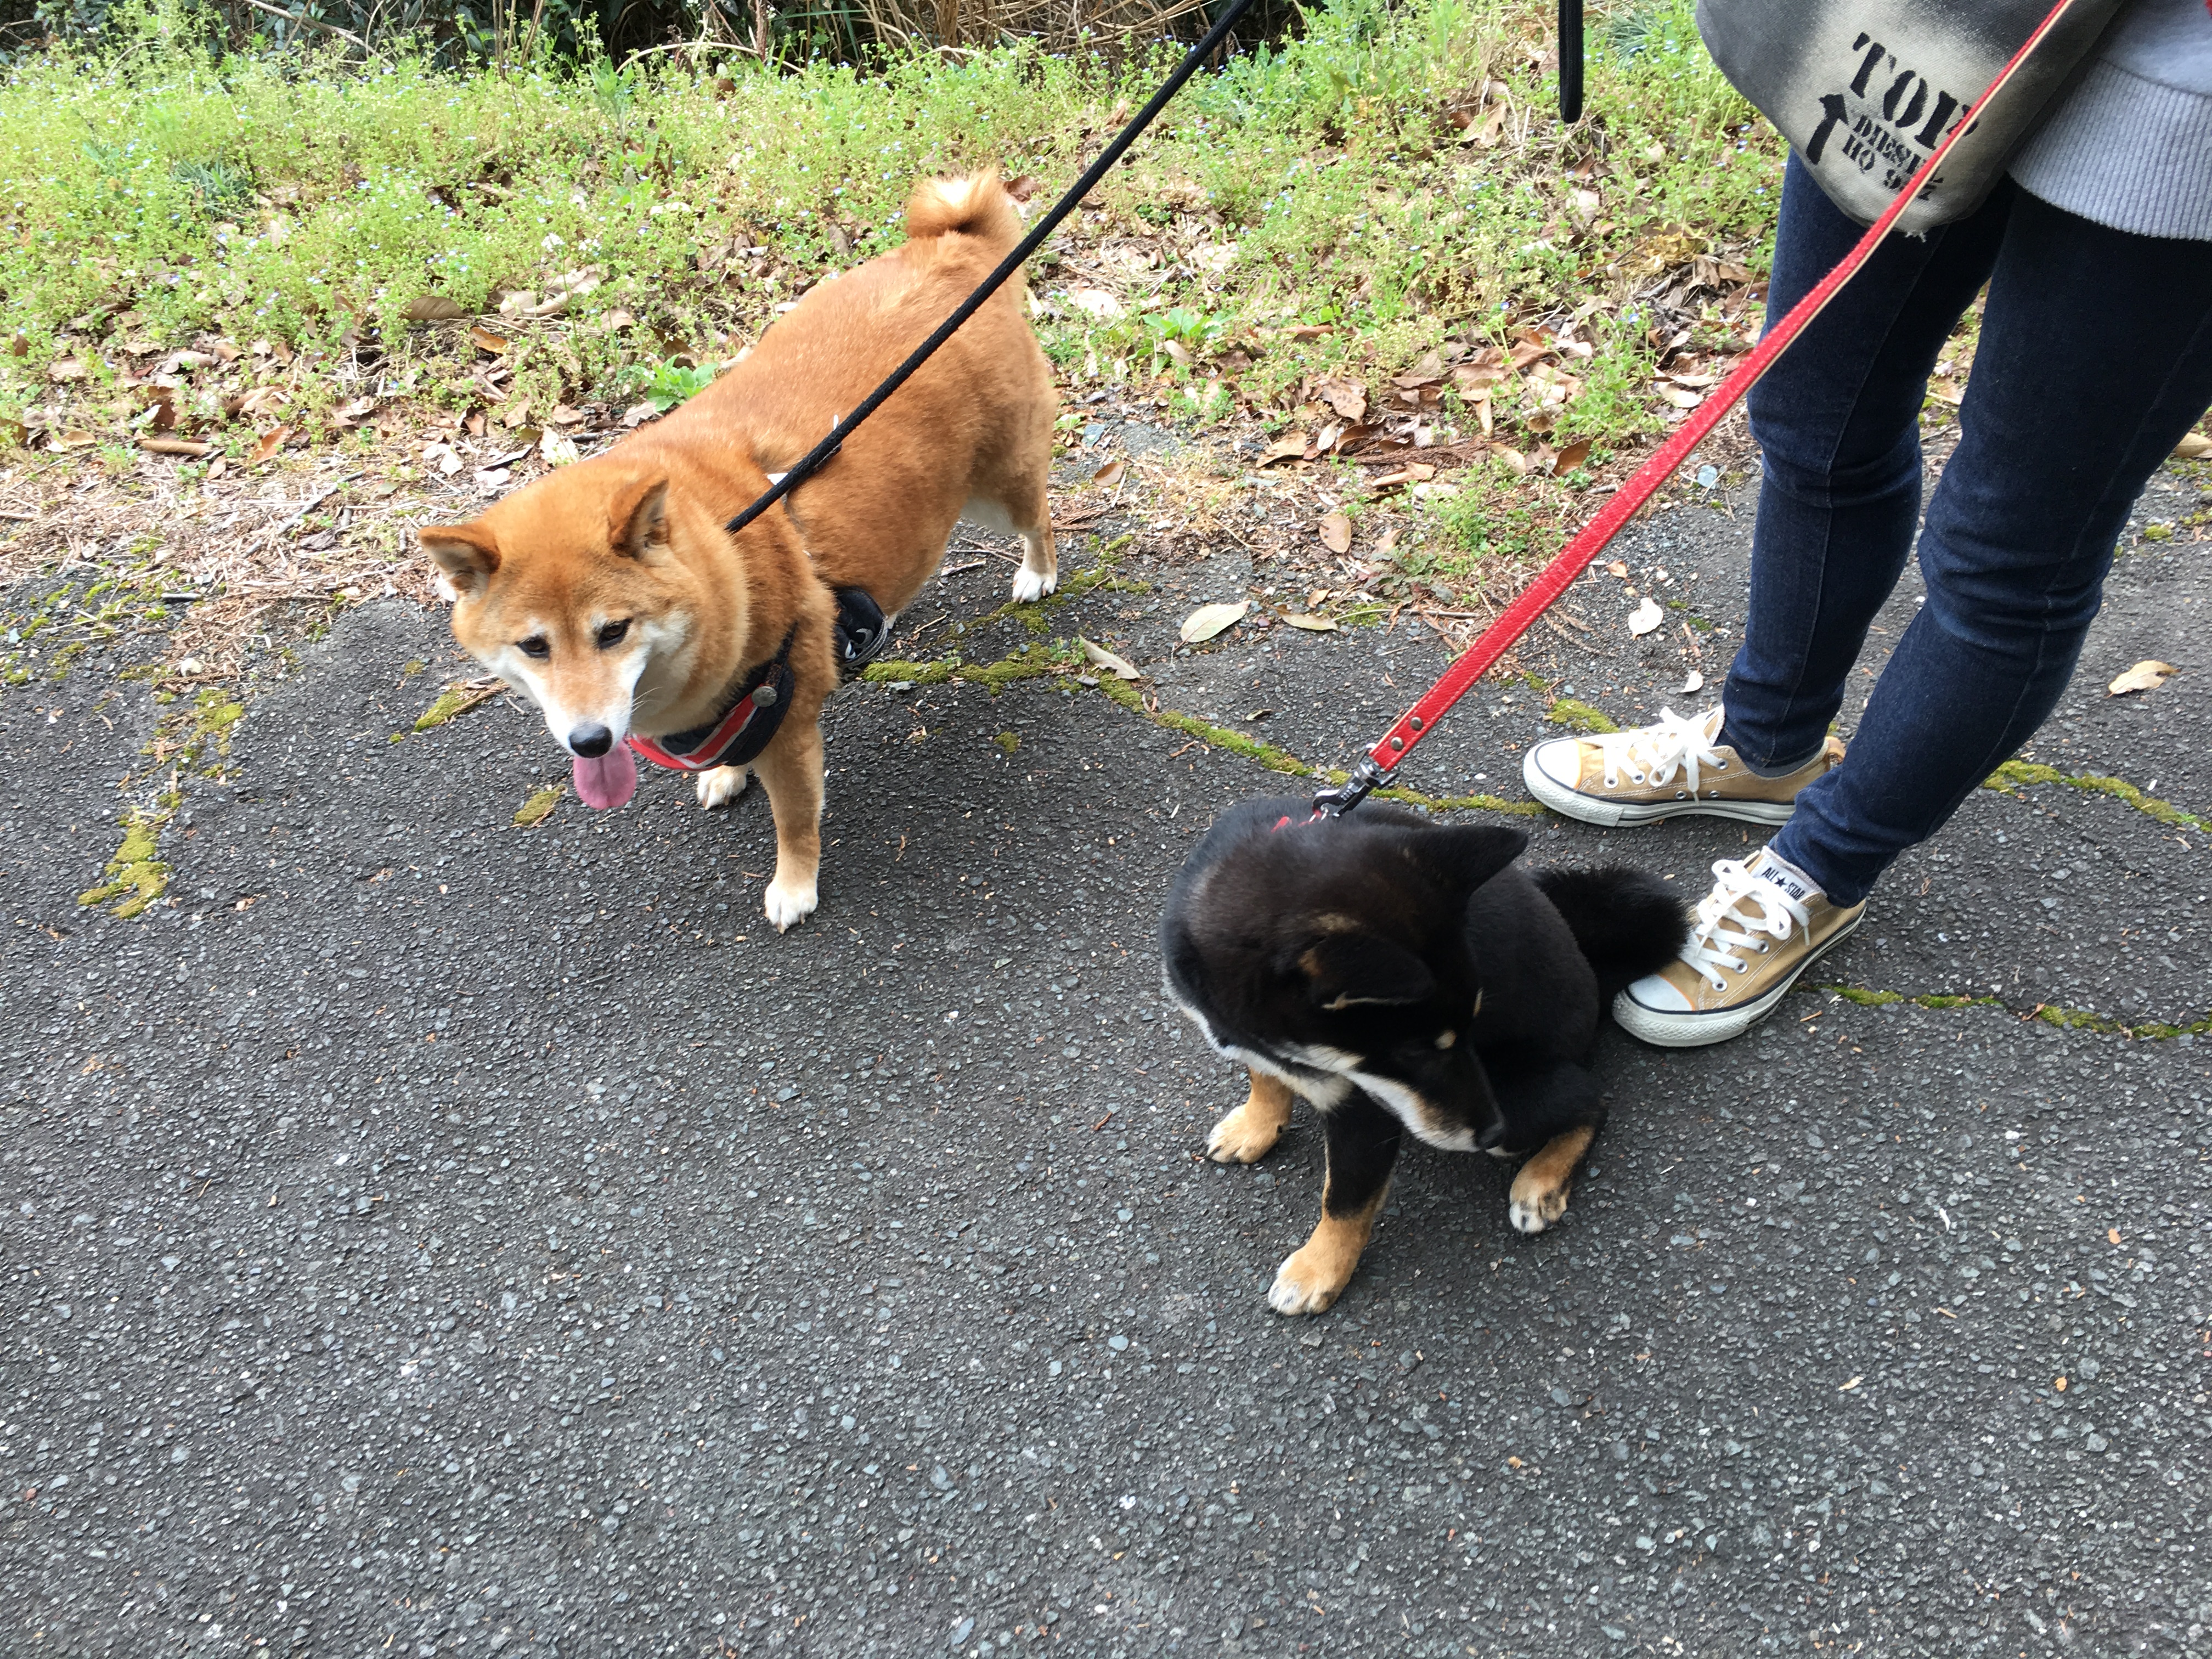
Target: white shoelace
<point>1724,930</point>
<point>1654,753</point>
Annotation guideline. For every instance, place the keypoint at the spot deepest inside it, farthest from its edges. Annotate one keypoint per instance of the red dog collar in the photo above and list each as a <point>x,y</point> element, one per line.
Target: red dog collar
<point>739,733</point>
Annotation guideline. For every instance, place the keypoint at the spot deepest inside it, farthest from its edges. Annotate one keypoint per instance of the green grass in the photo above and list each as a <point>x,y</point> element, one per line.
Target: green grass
<point>155,195</point>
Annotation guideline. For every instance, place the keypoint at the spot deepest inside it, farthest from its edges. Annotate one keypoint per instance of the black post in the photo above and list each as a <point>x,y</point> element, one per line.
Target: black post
<point>1570,61</point>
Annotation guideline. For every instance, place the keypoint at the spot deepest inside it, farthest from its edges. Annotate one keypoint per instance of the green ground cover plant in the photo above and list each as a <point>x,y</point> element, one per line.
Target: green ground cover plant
<point>160,192</point>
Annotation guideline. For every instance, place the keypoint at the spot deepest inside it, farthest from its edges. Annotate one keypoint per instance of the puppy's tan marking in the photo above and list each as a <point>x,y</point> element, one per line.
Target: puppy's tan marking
<point>1540,1191</point>
<point>1314,1275</point>
<point>1246,1134</point>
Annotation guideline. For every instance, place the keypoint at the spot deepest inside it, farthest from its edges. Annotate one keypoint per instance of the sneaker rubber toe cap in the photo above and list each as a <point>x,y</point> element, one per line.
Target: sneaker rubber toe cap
<point>1560,761</point>
<point>1657,995</point>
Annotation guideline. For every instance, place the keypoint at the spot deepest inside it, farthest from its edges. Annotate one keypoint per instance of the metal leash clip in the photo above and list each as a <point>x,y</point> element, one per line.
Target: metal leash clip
<point>1363,778</point>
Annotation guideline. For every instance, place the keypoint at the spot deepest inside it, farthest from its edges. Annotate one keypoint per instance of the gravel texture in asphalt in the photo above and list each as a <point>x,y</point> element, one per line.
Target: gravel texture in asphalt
<point>426,1234</point>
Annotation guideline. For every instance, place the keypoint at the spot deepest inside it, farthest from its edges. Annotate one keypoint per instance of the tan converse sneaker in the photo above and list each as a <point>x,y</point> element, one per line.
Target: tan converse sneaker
<point>1763,924</point>
<point>1651,773</point>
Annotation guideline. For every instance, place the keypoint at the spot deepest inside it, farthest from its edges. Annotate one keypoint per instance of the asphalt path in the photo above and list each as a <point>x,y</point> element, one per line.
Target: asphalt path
<point>426,1235</point>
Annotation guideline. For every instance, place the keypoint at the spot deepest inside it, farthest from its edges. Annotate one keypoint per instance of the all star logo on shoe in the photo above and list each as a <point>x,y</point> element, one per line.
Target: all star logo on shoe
<point>1790,879</point>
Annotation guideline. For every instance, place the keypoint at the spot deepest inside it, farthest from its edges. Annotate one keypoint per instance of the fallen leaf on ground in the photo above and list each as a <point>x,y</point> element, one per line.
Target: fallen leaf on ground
<point>1119,667</point>
<point>1645,617</point>
<point>2145,675</point>
<point>1695,683</point>
<point>1291,446</point>
<point>262,400</point>
<point>1385,546</point>
<point>1099,302</point>
<point>2193,447</point>
<point>354,413</point>
<point>1312,624</point>
<point>557,450</point>
<point>1572,456</point>
<point>1335,532</point>
<point>541,802</point>
<point>1615,567</point>
<point>1111,474</point>
<point>269,446</point>
<point>434,308</point>
<point>1845,1388</point>
<point>1347,397</point>
<point>1680,397</point>
<point>1203,623</point>
<point>68,440</point>
<point>485,340</point>
<point>67,368</point>
<point>1512,458</point>
<point>169,446</point>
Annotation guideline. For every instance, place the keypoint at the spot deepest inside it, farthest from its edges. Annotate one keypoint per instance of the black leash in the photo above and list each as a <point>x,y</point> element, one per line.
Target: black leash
<point>1570,61</point>
<point>806,465</point>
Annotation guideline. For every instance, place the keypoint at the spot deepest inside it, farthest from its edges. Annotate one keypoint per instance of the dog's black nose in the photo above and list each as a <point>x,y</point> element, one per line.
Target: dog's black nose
<point>590,741</point>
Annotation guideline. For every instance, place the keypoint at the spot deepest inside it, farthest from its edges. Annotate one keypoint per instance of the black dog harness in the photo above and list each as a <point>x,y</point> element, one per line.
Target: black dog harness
<point>749,723</point>
<point>740,732</point>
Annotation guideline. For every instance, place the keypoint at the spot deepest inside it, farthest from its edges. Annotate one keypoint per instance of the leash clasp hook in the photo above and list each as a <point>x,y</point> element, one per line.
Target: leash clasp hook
<point>1362,779</point>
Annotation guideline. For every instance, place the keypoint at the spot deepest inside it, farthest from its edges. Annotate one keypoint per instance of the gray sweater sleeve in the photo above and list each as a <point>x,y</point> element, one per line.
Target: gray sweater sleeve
<point>2130,146</point>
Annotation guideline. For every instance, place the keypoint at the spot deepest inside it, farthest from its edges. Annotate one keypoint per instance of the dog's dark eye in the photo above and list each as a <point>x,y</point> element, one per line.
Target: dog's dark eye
<point>612,635</point>
<point>535,646</point>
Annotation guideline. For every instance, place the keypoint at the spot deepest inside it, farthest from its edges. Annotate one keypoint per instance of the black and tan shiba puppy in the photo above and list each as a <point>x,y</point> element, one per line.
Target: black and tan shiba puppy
<point>1404,977</point>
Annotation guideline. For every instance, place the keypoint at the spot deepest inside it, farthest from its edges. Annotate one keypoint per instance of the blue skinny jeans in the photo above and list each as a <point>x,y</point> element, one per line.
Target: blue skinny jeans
<point>2095,357</point>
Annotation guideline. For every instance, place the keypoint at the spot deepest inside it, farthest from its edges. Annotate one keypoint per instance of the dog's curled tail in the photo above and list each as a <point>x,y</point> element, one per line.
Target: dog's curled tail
<point>978,205</point>
<point>1627,922</point>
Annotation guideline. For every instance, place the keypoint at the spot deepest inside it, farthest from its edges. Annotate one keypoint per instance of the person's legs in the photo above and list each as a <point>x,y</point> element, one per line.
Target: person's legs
<point>2095,358</point>
<point>1838,420</point>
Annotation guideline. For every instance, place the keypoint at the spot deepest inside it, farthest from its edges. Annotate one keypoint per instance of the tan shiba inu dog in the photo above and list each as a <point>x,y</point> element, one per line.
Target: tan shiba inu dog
<point>611,593</point>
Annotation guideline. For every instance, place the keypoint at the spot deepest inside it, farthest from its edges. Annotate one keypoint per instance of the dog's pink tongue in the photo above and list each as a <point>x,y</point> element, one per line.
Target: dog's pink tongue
<point>607,780</point>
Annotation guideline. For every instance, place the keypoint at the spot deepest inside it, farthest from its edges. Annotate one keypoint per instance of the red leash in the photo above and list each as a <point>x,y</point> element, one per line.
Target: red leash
<point>1379,765</point>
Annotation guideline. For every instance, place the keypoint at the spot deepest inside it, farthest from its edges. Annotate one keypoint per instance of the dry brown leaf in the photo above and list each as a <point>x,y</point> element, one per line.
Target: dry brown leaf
<point>1512,458</point>
<point>1386,544</point>
<point>173,445</point>
<point>66,368</point>
<point>1111,474</point>
<point>262,400</point>
<point>1572,456</point>
<point>485,340</point>
<point>1097,302</point>
<point>1347,397</point>
<point>269,446</point>
<point>1615,567</point>
<point>353,414</point>
<point>557,450</point>
<point>1680,397</point>
<point>68,440</point>
<point>1696,682</point>
<point>1291,446</point>
<point>1335,532</point>
<point>2145,675</point>
<point>2193,447</point>
<point>1203,623</point>
<point>1119,667</point>
<point>1646,616</point>
<point>1312,624</point>
<point>434,308</point>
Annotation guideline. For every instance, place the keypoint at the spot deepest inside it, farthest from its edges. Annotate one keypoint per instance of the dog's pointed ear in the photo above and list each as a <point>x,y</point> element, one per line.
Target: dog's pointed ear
<point>1347,968</point>
<point>1470,853</point>
<point>637,520</point>
<point>466,554</point>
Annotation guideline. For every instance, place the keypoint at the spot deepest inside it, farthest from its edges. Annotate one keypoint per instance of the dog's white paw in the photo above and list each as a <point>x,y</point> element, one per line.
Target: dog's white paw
<point>1308,1282</point>
<point>720,785</point>
<point>1241,1137</point>
<point>1535,1207</point>
<point>790,902</point>
<point>1034,584</point>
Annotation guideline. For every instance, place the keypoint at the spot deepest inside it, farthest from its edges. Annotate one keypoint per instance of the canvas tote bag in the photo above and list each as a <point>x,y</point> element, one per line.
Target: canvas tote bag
<point>1865,89</point>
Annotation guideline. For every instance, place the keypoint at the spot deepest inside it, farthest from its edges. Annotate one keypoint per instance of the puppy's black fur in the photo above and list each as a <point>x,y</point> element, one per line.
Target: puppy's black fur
<point>1406,976</point>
